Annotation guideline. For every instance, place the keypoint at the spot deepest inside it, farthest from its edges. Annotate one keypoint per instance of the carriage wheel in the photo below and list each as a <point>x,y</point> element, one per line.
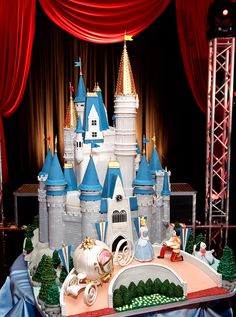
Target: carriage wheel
<point>90,294</point>
<point>124,256</point>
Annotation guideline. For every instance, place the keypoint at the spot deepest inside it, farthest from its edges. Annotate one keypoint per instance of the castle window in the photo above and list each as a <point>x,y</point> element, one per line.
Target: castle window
<point>80,143</point>
<point>115,216</point>
<point>94,122</point>
<point>123,216</point>
<point>94,134</point>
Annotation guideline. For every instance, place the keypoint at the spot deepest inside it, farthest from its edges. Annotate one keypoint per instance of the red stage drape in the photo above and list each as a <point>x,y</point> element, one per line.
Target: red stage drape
<point>103,21</point>
<point>192,27</point>
<point>17,25</point>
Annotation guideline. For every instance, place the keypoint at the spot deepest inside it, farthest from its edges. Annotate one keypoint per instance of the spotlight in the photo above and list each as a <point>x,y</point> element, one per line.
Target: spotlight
<point>221,19</point>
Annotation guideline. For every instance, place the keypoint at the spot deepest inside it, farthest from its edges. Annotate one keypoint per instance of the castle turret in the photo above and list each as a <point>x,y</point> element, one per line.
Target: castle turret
<point>166,199</point>
<point>43,213</point>
<point>56,203</point>
<point>156,170</point>
<point>78,142</point>
<point>81,95</point>
<point>72,217</point>
<point>126,104</point>
<point>69,130</point>
<point>90,199</point>
<point>143,189</point>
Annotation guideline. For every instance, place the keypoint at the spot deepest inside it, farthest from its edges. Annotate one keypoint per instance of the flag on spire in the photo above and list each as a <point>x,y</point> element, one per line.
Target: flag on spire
<point>128,37</point>
<point>146,140</point>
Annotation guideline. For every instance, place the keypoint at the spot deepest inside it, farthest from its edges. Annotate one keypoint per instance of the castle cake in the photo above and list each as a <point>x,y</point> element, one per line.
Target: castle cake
<point>110,209</point>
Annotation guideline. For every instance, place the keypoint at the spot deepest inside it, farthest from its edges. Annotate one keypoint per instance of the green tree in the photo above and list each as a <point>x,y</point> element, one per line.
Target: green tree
<point>132,284</point>
<point>127,298</point>
<point>55,259</point>
<point>53,295</point>
<point>227,266</point>
<point>123,289</point>
<point>190,243</point>
<point>29,232</point>
<point>63,275</point>
<point>28,245</point>
<point>117,300</point>
<point>48,278</point>
<point>140,291</point>
<point>141,283</point>
<point>37,277</point>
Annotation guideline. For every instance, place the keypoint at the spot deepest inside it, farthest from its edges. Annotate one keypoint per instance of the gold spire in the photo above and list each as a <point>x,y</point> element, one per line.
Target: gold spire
<point>154,140</point>
<point>125,82</point>
<point>55,144</point>
<point>96,87</point>
<point>71,117</point>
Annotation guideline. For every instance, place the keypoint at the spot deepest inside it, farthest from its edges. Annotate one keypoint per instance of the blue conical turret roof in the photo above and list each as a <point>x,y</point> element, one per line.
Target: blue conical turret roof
<point>166,188</point>
<point>79,128</point>
<point>90,181</point>
<point>81,92</point>
<point>47,164</point>
<point>155,164</point>
<point>113,171</point>
<point>144,176</point>
<point>55,176</point>
<point>70,178</point>
<point>102,109</point>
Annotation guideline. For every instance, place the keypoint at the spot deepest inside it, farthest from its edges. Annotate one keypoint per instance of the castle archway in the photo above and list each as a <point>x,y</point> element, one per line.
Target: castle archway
<point>116,241</point>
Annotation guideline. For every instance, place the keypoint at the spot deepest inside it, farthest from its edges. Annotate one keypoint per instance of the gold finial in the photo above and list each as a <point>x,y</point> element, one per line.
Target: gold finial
<point>166,169</point>
<point>56,144</point>
<point>87,243</point>
<point>125,82</point>
<point>80,72</point>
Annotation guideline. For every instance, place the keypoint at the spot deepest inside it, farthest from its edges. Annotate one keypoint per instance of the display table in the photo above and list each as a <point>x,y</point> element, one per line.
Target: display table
<point>16,299</point>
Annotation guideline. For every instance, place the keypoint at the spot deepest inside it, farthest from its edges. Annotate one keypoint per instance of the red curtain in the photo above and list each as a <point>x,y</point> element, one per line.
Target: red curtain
<point>103,21</point>
<point>192,29</point>
<point>17,25</point>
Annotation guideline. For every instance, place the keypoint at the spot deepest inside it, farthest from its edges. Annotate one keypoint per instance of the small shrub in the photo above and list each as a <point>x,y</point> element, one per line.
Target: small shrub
<point>117,300</point>
<point>140,291</point>
<point>123,289</point>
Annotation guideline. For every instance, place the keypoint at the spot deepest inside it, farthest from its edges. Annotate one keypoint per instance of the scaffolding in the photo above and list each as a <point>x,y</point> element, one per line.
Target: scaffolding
<point>218,131</point>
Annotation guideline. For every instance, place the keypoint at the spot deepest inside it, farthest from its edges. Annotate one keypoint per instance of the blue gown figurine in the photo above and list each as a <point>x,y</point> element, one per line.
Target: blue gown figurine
<point>143,250</point>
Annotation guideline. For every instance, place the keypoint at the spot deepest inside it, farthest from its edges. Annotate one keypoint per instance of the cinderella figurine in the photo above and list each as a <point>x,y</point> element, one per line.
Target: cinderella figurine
<point>143,250</point>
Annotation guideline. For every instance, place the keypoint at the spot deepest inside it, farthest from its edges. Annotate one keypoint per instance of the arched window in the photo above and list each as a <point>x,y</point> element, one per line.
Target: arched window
<point>115,216</point>
<point>123,216</point>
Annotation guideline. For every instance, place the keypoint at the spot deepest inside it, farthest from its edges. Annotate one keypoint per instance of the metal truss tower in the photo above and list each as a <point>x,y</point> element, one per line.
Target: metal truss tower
<point>219,126</point>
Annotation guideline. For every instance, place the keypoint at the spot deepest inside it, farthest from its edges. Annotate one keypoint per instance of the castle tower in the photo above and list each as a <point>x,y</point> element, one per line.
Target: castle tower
<point>72,217</point>
<point>116,206</point>
<point>90,200</point>
<point>143,189</point>
<point>78,141</point>
<point>69,130</point>
<point>166,199</point>
<point>43,213</point>
<point>81,95</point>
<point>56,203</point>
<point>125,105</point>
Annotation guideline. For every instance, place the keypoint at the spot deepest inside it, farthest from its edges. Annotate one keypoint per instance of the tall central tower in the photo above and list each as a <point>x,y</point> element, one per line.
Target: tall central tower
<point>125,106</point>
